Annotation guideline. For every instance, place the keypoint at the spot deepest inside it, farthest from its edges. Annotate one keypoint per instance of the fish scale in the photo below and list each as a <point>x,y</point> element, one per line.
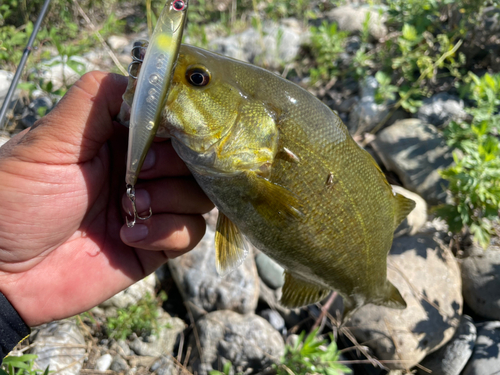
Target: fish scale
<point>285,173</point>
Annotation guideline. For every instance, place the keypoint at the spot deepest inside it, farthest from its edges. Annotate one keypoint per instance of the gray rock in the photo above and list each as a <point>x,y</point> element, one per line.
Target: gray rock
<point>204,290</point>
<point>367,114</point>
<point>278,45</point>
<point>452,358</point>
<point>485,359</point>
<point>61,346</point>
<point>248,341</point>
<point>132,294</point>
<point>481,279</point>
<point>63,70</point>
<point>103,363</point>
<point>416,219</point>
<point>118,42</point>
<point>270,271</point>
<point>121,348</point>
<point>119,364</point>
<point>166,366</point>
<point>351,19</point>
<point>5,81</point>
<point>163,343</point>
<point>415,151</point>
<point>275,319</point>
<point>426,274</point>
<point>441,108</point>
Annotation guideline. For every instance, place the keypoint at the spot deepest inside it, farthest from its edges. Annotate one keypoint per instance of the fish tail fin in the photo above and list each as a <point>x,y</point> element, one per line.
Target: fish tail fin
<point>402,207</point>
<point>392,297</point>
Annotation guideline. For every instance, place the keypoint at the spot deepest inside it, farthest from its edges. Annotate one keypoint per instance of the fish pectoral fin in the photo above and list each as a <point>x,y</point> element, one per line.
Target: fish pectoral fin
<point>272,201</point>
<point>297,292</point>
<point>231,248</point>
<point>403,206</point>
<point>393,297</point>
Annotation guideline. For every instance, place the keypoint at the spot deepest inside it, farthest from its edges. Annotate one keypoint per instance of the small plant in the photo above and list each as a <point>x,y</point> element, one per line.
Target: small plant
<point>474,180</point>
<point>328,43</point>
<point>22,365</point>
<point>140,318</point>
<point>226,369</point>
<point>311,356</point>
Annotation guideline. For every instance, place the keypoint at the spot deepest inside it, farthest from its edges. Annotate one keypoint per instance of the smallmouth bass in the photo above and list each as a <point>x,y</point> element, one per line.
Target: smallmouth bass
<point>284,172</point>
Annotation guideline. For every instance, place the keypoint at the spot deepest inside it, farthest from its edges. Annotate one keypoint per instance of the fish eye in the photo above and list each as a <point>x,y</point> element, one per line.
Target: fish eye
<point>198,76</point>
<point>179,5</point>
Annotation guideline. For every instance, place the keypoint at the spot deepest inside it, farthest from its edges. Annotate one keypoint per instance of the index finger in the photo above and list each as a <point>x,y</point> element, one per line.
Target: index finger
<point>75,130</point>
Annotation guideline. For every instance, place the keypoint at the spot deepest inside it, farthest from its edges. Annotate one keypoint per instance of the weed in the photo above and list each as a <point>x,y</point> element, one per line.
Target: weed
<point>140,318</point>
<point>474,180</point>
<point>328,43</point>
<point>22,365</point>
<point>311,355</point>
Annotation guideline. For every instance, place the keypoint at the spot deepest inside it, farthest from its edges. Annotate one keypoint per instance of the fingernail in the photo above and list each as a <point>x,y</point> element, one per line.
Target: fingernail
<point>142,202</point>
<point>149,161</point>
<point>135,234</point>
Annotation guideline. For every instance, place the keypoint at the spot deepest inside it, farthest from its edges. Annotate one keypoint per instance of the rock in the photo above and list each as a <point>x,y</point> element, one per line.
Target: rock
<point>3,140</point>
<point>426,274</point>
<point>247,341</point>
<point>119,364</point>
<point>439,109</point>
<point>367,114</point>
<point>163,343</point>
<point>415,151</point>
<point>275,319</point>
<point>485,359</point>
<point>452,358</point>
<point>270,271</point>
<point>204,290</point>
<point>481,279</point>
<point>121,348</point>
<point>166,366</point>
<point>118,42</point>
<point>132,294</point>
<point>278,45</point>
<point>351,19</point>
<point>61,346</point>
<point>5,81</point>
<point>416,219</point>
<point>103,363</point>
<point>63,70</point>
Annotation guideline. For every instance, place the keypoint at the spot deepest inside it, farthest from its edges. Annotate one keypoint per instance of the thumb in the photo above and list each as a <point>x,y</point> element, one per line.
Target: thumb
<point>78,126</point>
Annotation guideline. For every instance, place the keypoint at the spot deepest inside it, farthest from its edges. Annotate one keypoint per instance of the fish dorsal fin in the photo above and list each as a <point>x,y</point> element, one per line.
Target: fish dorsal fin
<point>402,207</point>
<point>393,298</point>
<point>297,292</point>
<point>231,248</point>
<point>272,201</point>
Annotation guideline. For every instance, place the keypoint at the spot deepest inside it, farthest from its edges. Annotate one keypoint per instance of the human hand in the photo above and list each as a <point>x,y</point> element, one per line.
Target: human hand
<point>64,247</point>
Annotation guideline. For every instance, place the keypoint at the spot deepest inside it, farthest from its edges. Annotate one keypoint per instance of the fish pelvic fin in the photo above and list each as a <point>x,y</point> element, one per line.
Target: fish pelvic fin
<point>231,249</point>
<point>273,202</point>
<point>392,298</point>
<point>402,207</point>
<point>297,292</point>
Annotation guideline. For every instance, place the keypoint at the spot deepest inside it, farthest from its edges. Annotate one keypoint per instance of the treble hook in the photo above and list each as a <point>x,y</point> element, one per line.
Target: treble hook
<point>131,196</point>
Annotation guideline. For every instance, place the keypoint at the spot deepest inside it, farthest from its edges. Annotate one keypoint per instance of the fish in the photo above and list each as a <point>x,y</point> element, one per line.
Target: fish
<point>153,83</point>
<point>286,176</point>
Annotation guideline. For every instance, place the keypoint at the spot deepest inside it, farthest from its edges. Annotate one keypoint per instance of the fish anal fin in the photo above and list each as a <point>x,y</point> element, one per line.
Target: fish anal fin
<point>297,292</point>
<point>231,248</point>
<point>402,207</point>
<point>392,298</point>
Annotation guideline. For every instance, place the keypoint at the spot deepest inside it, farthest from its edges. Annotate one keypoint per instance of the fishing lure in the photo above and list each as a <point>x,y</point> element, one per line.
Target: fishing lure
<point>153,83</point>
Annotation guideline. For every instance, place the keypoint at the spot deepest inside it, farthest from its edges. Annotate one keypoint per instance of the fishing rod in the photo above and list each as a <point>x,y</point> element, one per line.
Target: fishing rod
<point>20,67</point>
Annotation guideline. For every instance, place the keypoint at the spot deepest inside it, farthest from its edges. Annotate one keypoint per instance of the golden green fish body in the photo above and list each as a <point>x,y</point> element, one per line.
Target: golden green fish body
<point>282,167</point>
